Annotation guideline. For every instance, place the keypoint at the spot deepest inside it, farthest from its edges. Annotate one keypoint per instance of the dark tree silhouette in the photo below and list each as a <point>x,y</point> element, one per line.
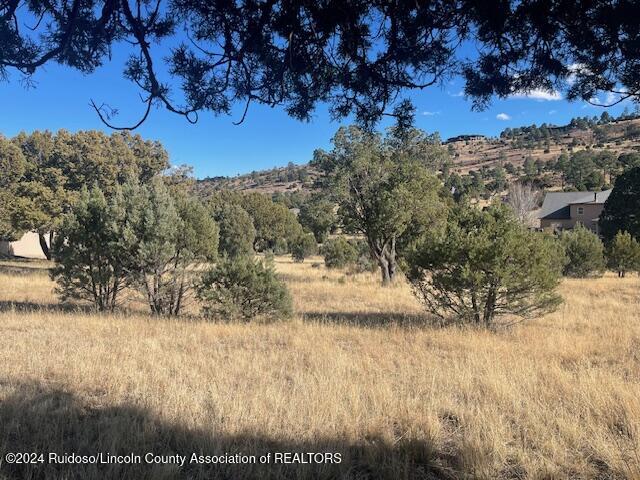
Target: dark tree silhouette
<point>621,212</point>
<point>356,55</point>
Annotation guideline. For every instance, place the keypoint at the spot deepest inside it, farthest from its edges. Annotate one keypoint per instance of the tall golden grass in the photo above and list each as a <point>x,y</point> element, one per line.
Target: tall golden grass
<point>357,371</point>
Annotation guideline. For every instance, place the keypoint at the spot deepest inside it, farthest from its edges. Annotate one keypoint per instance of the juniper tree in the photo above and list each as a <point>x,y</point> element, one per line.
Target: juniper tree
<point>623,254</point>
<point>237,234</point>
<point>483,265</point>
<point>339,252</point>
<point>244,288</point>
<point>317,215</point>
<point>274,222</point>
<point>384,189</point>
<point>175,234</point>
<point>56,167</point>
<point>303,246</point>
<point>621,211</point>
<point>93,249</point>
<point>12,168</point>
<point>584,251</point>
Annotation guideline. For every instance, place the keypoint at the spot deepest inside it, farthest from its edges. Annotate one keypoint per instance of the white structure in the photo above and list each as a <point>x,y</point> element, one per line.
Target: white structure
<point>27,247</point>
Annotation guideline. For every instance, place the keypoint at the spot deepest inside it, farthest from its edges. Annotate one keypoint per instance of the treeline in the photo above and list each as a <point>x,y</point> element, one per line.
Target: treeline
<point>385,202</point>
<point>588,169</point>
<point>543,132</point>
<point>291,174</point>
<point>160,240</point>
<point>41,174</point>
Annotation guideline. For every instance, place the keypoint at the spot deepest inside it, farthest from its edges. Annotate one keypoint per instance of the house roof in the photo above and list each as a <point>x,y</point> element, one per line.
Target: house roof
<point>556,205</point>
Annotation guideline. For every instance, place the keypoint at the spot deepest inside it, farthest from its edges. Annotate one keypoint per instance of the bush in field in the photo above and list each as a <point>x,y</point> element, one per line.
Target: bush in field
<point>584,252</point>
<point>244,288</point>
<point>302,247</point>
<point>339,253</point>
<point>364,261</point>
<point>237,233</point>
<point>144,236</point>
<point>92,249</point>
<point>483,265</point>
<point>623,254</point>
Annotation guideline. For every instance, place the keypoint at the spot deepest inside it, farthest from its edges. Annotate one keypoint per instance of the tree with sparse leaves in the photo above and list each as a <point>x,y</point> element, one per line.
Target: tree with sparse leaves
<point>523,200</point>
<point>358,56</point>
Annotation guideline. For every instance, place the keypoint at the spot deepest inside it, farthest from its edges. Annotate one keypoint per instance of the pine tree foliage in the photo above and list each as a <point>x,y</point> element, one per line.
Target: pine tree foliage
<point>484,265</point>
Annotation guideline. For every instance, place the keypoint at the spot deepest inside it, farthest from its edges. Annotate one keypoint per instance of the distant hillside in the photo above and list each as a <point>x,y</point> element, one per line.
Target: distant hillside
<point>468,153</point>
<point>292,178</point>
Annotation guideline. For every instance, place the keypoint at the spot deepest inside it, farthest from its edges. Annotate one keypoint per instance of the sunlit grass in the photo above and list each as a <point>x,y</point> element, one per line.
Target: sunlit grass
<point>558,397</point>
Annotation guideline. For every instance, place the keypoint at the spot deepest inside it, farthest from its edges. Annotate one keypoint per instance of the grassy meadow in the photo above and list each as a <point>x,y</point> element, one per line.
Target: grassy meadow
<point>358,371</point>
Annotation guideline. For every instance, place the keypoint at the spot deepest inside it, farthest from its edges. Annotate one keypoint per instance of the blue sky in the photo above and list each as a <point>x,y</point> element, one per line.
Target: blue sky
<point>267,138</point>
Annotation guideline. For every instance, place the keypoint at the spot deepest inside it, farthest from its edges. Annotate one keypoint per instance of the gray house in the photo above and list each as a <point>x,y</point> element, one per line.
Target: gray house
<point>563,210</point>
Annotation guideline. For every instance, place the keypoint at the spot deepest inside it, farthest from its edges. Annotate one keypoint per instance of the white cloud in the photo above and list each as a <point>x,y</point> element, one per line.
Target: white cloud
<point>610,98</point>
<point>552,112</point>
<point>459,94</point>
<point>503,116</point>
<point>430,114</point>
<point>539,94</point>
<point>575,68</point>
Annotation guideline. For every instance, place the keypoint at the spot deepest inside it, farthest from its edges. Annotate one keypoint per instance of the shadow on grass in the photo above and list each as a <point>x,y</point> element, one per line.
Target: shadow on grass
<point>34,307</point>
<point>44,419</point>
<point>27,269</point>
<point>74,309</point>
<point>372,319</point>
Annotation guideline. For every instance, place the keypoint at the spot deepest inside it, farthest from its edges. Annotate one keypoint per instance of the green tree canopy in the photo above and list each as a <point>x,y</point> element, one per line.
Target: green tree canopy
<point>273,221</point>
<point>621,212</point>
<point>93,248</point>
<point>483,265</point>
<point>12,169</point>
<point>623,254</point>
<point>175,232</point>
<point>584,251</point>
<point>317,215</point>
<point>54,168</point>
<point>384,189</point>
<point>302,247</point>
<point>244,288</point>
<point>237,233</point>
<point>358,56</point>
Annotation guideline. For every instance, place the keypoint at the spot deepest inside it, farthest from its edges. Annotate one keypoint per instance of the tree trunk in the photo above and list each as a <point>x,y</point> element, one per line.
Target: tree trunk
<point>384,270</point>
<point>44,245</point>
<point>388,264</point>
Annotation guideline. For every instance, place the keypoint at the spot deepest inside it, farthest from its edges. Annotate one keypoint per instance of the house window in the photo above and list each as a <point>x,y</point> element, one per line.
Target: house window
<point>580,210</point>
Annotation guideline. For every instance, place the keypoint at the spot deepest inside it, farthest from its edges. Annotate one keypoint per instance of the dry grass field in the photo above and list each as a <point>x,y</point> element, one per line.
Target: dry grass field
<point>358,370</point>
